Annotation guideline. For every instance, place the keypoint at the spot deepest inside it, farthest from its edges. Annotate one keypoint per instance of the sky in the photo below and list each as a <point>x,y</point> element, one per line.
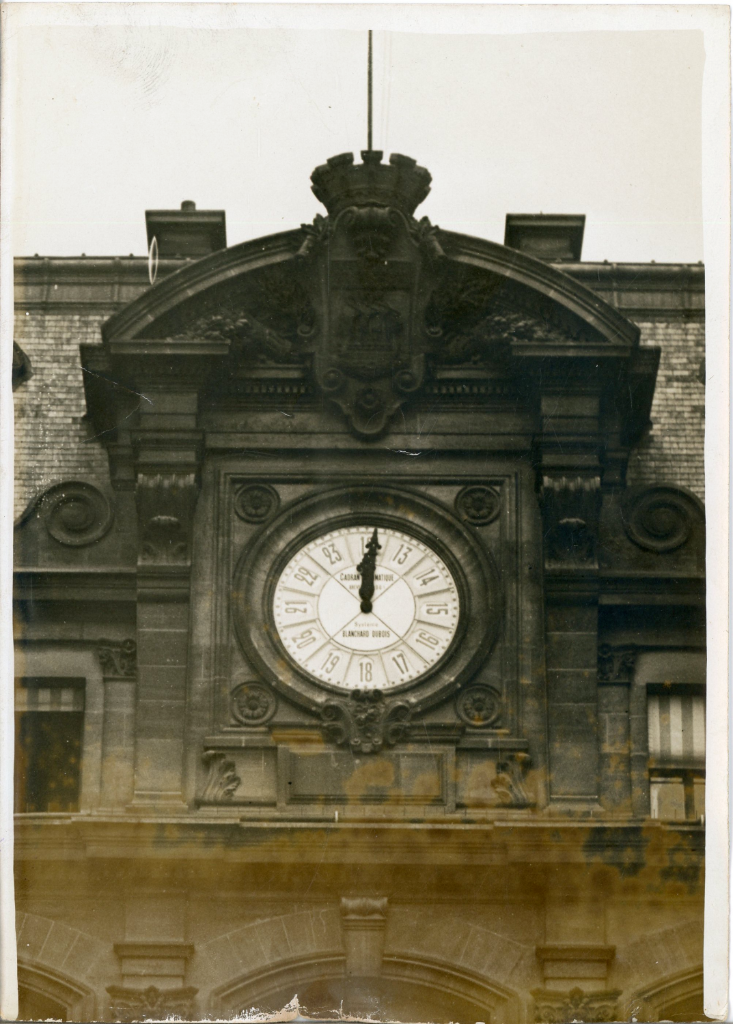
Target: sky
<point>111,120</point>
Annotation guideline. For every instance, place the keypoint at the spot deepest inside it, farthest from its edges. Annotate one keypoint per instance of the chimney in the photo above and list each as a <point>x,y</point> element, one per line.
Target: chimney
<point>546,236</point>
<point>186,232</point>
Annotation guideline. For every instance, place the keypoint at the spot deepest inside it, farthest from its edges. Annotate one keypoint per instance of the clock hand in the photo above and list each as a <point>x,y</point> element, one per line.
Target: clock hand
<point>366,569</point>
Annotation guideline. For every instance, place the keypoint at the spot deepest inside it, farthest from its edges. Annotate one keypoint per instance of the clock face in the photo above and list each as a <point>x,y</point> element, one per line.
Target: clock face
<point>366,608</point>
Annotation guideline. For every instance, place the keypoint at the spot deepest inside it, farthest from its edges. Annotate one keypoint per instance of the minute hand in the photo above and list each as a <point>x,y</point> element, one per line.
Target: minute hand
<point>366,568</point>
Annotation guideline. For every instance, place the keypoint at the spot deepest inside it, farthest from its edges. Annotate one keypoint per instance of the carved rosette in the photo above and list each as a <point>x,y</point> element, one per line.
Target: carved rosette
<point>253,703</point>
<point>76,513</point>
<point>365,720</point>
<point>571,508</point>
<point>151,1003</point>
<point>256,503</point>
<point>479,706</point>
<point>616,664</point>
<point>560,1007</point>
<point>509,781</point>
<point>165,504</point>
<point>659,519</point>
<point>118,658</point>
<point>222,780</point>
<point>478,505</point>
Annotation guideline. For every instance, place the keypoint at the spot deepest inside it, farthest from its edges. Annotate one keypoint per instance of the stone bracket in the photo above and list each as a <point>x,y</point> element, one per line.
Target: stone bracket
<point>363,921</point>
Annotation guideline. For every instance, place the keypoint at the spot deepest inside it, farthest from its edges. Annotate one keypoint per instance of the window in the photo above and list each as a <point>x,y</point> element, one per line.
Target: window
<point>676,717</point>
<point>49,722</point>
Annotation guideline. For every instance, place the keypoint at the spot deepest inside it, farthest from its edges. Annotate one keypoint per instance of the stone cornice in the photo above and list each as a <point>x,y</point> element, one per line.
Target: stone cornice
<point>101,285</point>
<point>47,837</point>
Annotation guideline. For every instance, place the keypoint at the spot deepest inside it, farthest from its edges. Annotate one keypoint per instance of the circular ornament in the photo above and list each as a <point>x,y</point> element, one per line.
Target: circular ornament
<point>333,379</point>
<point>253,703</point>
<point>406,381</point>
<point>478,505</point>
<point>658,519</point>
<point>479,706</point>
<point>256,502</point>
<point>76,514</point>
<point>369,401</point>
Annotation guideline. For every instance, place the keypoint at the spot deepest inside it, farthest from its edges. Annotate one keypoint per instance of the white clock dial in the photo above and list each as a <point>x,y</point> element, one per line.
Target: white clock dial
<point>390,633</point>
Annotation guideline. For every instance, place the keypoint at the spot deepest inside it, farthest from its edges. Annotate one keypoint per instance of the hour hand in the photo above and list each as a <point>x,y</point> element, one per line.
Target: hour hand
<point>366,569</point>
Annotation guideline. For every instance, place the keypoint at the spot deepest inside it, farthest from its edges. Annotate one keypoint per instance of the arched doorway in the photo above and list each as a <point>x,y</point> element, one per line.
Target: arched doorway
<point>34,1005</point>
<point>43,994</point>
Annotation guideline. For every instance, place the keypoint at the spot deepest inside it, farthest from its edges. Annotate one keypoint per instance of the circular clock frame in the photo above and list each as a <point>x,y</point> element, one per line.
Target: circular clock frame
<point>264,559</point>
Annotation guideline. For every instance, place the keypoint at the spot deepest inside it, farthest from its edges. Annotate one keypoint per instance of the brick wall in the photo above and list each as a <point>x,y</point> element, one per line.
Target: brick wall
<point>672,451</point>
<point>52,440</point>
<point>54,443</point>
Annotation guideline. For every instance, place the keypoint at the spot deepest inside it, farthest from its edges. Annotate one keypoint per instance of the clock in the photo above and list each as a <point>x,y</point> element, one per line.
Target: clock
<point>354,588</point>
<point>366,607</point>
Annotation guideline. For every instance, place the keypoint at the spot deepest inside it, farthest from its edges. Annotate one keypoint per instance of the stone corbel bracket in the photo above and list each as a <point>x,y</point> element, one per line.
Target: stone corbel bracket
<point>570,511</point>
<point>616,664</point>
<point>165,503</point>
<point>363,921</point>
<point>118,658</point>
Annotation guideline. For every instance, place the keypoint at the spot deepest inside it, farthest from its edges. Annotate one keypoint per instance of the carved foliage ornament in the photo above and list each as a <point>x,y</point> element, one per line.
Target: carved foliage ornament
<point>562,1007</point>
<point>151,1003</point>
<point>659,519</point>
<point>509,781</point>
<point>118,658</point>
<point>479,706</point>
<point>76,513</point>
<point>253,703</point>
<point>616,664</point>
<point>222,780</point>
<point>365,720</point>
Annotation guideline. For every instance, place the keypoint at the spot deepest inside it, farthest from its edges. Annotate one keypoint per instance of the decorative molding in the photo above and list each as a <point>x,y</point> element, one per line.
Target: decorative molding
<point>76,513</point>
<point>479,706</point>
<point>118,658</point>
<point>659,519</point>
<point>151,1003</point>
<point>576,1005</point>
<point>509,781</point>
<point>365,720</point>
<point>253,703</point>
<point>478,505</point>
<point>222,780</point>
<point>364,908</point>
<point>255,503</point>
<point>165,504</point>
<point>616,664</point>
<point>571,508</point>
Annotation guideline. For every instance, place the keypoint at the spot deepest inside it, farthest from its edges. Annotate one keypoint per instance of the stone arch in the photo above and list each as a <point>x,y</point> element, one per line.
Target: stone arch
<point>44,992</point>
<point>408,989</point>
<point>676,998</point>
<point>56,950</point>
<point>669,955</point>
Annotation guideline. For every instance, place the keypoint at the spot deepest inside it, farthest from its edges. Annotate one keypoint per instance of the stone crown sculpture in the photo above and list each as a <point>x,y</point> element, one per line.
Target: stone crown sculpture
<point>400,184</point>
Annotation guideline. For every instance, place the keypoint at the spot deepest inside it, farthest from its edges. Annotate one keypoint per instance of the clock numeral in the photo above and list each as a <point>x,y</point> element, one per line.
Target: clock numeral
<point>427,576</point>
<point>304,639</point>
<point>332,554</point>
<point>401,554</point>
<point>366,669</point>
<point>427,639</point>
<point>330,663</point>
<point>304,575</point>
<point>436,609</point>
<point>296,608</point>
<point>400,661</point>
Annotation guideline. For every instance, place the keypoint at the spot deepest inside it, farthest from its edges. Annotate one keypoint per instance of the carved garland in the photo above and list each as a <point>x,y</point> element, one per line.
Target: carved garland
<point>560,1007</point>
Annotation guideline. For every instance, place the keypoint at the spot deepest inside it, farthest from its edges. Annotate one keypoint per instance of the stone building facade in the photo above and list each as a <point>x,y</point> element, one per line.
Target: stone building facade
<point>244,771</point>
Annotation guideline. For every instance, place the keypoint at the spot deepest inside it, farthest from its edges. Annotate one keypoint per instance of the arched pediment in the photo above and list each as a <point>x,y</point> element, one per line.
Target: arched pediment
<point>369,303</point>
